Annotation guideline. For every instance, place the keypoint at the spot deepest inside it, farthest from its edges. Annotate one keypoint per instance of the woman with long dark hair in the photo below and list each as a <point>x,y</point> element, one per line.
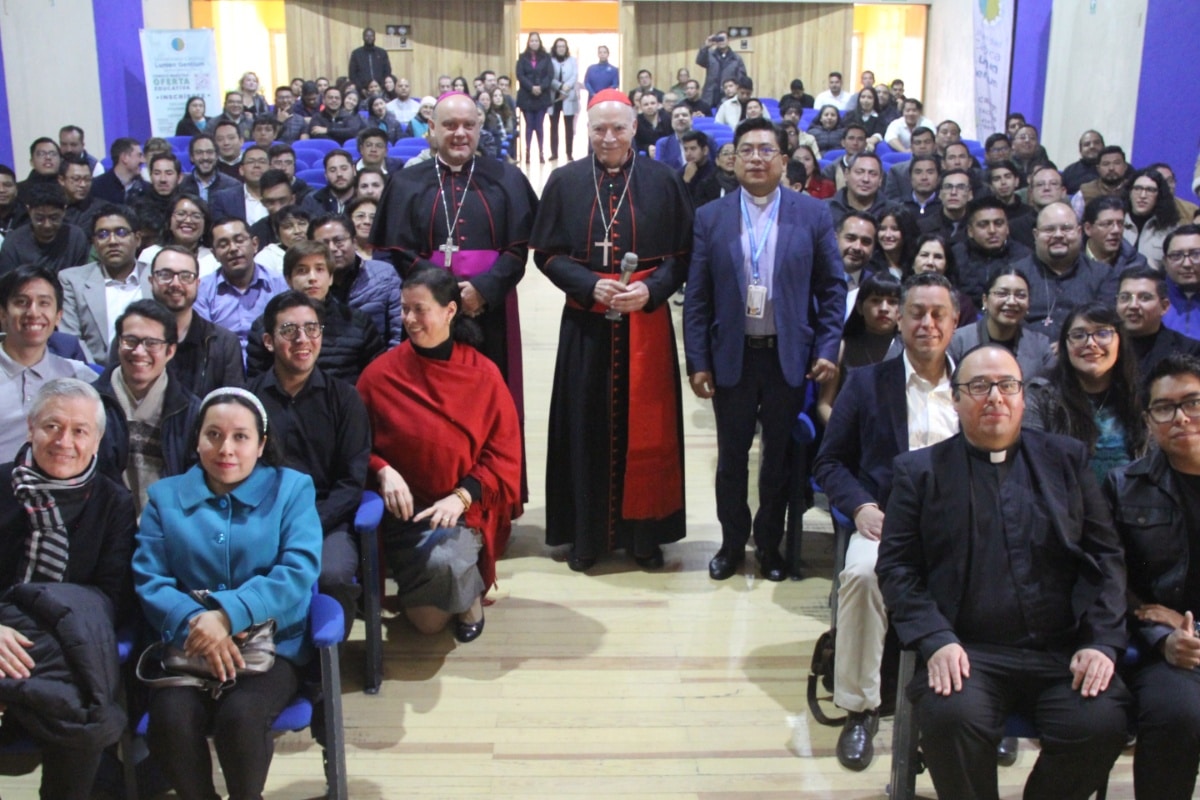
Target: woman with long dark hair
<point>867,335</point>
<point>378,116</point>
<point>446,457</point>
<point>865,114</point>
<point>566,96</point>
<point>1093,393</point>
<point>1005,305</point>
<point>895,242</point>
<point>535,75</point>
<point>1150,214</point>
<point>934,254</point>
<point>193,122</point>
<point>827,129</point>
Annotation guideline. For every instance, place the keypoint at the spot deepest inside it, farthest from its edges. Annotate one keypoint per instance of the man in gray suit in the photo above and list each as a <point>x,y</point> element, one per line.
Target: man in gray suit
<point>95,294</point>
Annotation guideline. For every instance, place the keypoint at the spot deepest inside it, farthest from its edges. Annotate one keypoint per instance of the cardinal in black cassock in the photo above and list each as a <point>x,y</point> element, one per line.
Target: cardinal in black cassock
<point>614,472</point>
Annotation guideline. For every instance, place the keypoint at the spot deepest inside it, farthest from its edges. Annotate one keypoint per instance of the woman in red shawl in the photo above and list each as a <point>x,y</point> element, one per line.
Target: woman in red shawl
<point>445,455</point>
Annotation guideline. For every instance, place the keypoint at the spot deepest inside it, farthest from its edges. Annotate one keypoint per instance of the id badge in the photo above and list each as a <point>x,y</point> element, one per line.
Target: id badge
<point>756,301</point>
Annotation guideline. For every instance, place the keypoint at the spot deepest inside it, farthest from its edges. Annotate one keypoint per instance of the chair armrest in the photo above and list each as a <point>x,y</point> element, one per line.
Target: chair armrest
<point>370,513</point>
<point>325,621</point>
<point>804,432</point>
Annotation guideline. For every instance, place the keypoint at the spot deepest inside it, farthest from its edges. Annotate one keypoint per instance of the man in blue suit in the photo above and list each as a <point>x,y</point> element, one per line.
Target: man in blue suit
<point>669,149</point>
<point>889,408</point>
<point>766,296</point>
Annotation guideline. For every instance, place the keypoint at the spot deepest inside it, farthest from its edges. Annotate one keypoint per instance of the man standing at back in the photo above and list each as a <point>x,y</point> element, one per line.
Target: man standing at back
<point>720,63</point>
<point>747,318</point>
<point>368,63</point>
<point>891,407</point>
<point>601,75</point>
<point>614,476</point>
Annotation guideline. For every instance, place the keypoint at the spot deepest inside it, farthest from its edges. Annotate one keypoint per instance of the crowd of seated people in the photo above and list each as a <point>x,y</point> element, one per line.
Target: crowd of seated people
<point>189,274</point>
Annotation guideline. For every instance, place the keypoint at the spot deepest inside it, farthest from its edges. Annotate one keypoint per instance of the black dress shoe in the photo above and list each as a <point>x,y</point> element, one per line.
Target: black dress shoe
<point>855,747</point>
<point>652,561</point>
<point>580,563</point>
<point>1006,752</point>
<point>724,564</point>
<point>771,565</point>
<point>468,631</point>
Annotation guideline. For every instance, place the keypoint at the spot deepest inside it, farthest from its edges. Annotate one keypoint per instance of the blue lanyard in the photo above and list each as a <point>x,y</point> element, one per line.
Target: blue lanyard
<point>756,248</point>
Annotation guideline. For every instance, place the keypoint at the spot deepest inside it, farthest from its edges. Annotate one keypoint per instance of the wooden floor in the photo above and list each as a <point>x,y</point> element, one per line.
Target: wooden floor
<point>619,683</point>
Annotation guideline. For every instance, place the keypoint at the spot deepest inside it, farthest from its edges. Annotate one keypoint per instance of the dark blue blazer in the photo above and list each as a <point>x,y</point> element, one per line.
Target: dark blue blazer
<point>867,429</point>
<point>808,289</point>
<point>228,203</point>
<point>669,151</point>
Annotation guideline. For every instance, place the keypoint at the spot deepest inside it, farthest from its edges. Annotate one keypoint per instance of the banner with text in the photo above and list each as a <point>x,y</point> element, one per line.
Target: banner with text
<point>993,64</point>
<point>179,65</point>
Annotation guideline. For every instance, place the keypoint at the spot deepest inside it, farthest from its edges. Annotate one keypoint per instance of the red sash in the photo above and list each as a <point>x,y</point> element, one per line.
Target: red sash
<point>653,485</point>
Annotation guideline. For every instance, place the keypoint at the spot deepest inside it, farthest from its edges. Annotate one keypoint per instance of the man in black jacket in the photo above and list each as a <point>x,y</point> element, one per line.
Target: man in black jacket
<point>368,63</point>
<point>1156,503</point>
<point>1000,565</point>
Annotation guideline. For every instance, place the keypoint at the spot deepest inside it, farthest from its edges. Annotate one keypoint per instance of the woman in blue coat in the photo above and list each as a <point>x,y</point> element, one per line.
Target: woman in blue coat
<point>246,530</point>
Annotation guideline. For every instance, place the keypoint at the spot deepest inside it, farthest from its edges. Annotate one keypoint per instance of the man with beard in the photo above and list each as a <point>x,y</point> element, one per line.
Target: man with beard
<point>339,182</point>
<point>613,479</point>
<point>368,63</point>
<point>856,242</point>
<point>1085,169</point>
<point>1112,168</point>
<point>652,124</point>
<point>693,101</point>
<point>205,179</point>
<point>471,216</point>
<point>669,149</point>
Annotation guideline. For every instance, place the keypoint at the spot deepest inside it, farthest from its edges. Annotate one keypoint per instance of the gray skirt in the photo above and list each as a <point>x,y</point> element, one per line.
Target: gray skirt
<point>433,567</point>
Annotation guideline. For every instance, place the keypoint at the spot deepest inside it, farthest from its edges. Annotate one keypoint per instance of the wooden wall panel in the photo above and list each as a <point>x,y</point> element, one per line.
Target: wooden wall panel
<point>791,40</point>
<point>452,37</point>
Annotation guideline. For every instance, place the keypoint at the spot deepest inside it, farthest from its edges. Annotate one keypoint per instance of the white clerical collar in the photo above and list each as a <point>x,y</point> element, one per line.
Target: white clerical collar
<point>761,202</point>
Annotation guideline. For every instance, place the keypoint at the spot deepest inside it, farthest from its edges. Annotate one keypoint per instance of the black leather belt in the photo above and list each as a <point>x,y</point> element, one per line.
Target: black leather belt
<point>761,342</point>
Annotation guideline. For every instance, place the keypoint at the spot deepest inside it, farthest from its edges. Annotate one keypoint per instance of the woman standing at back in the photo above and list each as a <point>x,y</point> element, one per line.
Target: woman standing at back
<point>566,96</point>
<point>535,74</point>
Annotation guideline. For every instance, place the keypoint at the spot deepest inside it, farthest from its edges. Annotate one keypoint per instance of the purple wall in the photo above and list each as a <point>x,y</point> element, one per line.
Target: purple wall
<point>1031,49</point>
<point>6,149</point>
<point>122,79</point>
<point>1168,110</point>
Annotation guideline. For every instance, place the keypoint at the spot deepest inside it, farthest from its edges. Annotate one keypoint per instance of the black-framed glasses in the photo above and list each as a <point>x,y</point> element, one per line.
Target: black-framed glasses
<point>748,151</point>
<point>982,387</point>
<point>129,343</point>
<point>1102,337</point>
<point>1165,412</point>
<point>105,235</point>
<point>1179,256</point>
<point>291,331</point>
<point>165,276</point>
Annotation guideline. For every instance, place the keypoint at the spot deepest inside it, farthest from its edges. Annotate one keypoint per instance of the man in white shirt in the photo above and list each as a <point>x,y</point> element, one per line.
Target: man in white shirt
<point>867,430</point>
<point>405,106</point>
<point>834,96</point>
<point>899,133</point>
<point>30,308</point>
<point>95,294</point>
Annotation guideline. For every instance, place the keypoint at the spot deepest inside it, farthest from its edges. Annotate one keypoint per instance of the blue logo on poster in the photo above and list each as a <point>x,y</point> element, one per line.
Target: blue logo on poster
<point>177,44</point>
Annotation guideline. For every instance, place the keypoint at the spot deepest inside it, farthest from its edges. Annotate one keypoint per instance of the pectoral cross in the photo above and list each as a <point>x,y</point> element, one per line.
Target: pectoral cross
<point>449,249</point>
<point>607,246</point>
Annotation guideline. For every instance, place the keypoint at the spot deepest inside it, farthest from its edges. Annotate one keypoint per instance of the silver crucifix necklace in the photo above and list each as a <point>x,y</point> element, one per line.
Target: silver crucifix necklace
<point>607,244</point>
<point>450,248</point>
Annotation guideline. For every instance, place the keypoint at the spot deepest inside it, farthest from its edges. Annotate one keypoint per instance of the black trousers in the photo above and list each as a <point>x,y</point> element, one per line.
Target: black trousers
<point>1081,737</point>
<point>568,125</point>
<point>1168,730</point>
<point>339,566</point>
<point>762,396</point>
<point>240,723</point>
<point>67,773</point>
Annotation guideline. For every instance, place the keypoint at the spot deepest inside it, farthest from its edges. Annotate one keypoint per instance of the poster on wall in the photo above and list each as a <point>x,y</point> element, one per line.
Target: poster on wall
<point>993,64</point>
<point>178,65</point>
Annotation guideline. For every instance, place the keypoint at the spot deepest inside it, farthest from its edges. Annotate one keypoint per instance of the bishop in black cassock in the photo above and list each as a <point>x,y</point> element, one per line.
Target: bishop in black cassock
<point>614,472</point>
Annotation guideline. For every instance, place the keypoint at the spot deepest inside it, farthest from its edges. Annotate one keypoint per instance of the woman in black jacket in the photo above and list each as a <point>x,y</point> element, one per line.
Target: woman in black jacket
<point>534,76</point>
<point>193,122</point>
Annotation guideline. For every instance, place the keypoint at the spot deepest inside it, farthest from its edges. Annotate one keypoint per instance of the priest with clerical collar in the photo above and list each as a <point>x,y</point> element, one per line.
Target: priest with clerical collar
<point>1000,565</point>
<point>615,462</point>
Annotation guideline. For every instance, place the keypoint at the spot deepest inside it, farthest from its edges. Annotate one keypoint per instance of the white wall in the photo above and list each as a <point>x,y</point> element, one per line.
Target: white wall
<point>51,73</point>
<point>166,14</point>
<point>950,65</point>
<point>1092,74</point>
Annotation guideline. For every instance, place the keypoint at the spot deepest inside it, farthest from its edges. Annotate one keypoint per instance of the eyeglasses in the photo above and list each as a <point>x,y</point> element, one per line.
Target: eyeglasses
<point>165,276</point>
<point>291,331</point>
<point>1005,294</point>
<point>1179,256</point>
<point>1141,297</point>
<point>1064,230</point>
<point>129,343</point>
<point>1143,190</point>
<point>765,151</point>
<point>1102,337</point>
<point>982,387</point>
<point>187,216</point>
<point>954,188</point>
<point>105,235</point>
<point>45,154</point>
<point>1165,412</point>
